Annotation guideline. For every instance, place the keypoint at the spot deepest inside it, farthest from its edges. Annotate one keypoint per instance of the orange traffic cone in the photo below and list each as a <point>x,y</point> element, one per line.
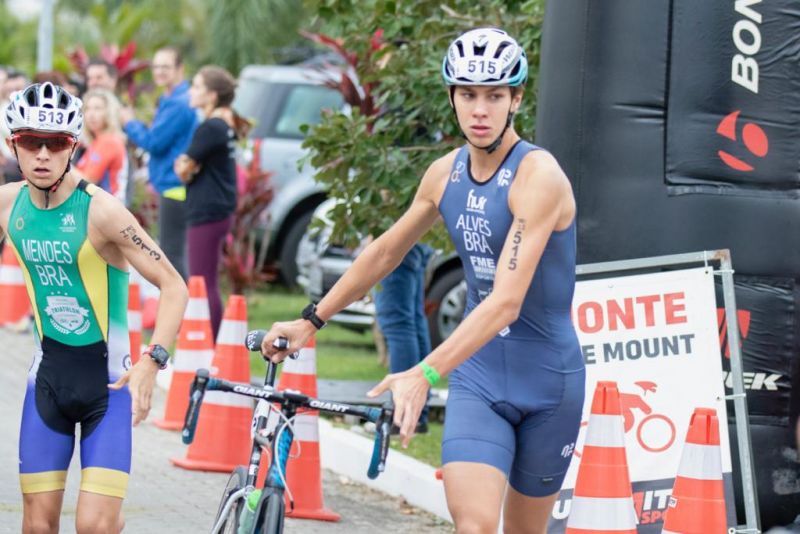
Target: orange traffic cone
<point>14,303</point>
<point>303,472</point>
<point>194,350</point>
<point>697,504</point>
<point>602,502</point>
<point>223,430</point>
<point>135,321</point>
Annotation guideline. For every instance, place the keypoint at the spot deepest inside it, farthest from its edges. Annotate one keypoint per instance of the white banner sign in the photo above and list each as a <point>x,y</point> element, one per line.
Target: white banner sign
<point>656,336</point>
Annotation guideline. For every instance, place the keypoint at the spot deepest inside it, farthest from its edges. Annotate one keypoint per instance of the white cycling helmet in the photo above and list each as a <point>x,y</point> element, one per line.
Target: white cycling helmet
<point>485,56</point>
<point>44,107</point>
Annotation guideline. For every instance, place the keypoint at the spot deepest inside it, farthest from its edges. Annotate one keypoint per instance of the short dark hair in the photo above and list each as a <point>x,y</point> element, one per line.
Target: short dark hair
<point>110,68</point>
<point>176,53</point>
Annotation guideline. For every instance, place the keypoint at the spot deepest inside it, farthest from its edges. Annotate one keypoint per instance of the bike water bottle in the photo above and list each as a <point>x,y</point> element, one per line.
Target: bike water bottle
<point>247,518</point>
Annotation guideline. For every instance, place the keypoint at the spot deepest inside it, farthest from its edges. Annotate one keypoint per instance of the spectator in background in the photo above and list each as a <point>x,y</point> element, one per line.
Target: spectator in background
<point>400,312</point>
<point>15,81</point>
<point>209,169</point>
<point>100,74</point>
<point>167,137</point>
<point>105,161</point>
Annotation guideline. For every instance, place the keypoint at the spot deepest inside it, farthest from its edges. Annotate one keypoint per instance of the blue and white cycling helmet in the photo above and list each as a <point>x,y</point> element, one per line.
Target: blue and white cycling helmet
<point>44,107</point>
<point>485,56</point>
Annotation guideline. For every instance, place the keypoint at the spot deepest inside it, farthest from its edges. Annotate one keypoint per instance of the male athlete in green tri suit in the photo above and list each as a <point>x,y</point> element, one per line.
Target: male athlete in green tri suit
<point>74,243</point>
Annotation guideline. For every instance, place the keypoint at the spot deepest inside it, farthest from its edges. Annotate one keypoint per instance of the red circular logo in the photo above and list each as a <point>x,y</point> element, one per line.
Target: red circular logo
<point>753,136</point>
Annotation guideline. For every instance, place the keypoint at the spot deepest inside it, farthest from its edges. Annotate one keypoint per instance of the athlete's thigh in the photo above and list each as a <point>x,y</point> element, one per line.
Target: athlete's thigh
<point>474,432</point>
<point>526,515</point>
<point>106,449</point>
<point>474,494</point>
<point>44,453</point>
<point>546,440</point>
<point>98,513</point>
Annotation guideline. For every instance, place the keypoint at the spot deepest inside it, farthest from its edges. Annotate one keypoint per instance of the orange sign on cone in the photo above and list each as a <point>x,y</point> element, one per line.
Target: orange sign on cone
<point>697,504</point>
<point>135,321</point>
<point>602,502</point>
<point>223,430</point>
<point>194,350</point>
<point>303,472</point>
<point>14,303</point>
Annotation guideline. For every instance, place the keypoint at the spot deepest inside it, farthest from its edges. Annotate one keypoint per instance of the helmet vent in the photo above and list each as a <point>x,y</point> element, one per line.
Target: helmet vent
<point>502,46</point>
<point>478,50</point>
<point>460,47</point>
<point>63,102</point>
<point>47,90</point>
<point>30,96</point>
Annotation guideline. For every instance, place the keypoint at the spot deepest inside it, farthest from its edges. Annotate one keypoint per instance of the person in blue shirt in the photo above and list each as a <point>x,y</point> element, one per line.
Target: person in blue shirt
<point>166,138</point>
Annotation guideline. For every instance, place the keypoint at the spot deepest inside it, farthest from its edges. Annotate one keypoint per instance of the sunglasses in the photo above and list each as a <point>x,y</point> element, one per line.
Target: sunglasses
<point>53,142</point>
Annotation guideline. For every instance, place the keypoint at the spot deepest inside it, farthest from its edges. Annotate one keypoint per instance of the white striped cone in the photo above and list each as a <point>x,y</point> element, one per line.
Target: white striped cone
<point>194,350</point>
<point>602,501</point>
<point>222,440</point>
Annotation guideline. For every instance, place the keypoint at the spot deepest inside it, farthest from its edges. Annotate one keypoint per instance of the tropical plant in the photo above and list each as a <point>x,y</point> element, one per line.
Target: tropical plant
<point>373,161</point>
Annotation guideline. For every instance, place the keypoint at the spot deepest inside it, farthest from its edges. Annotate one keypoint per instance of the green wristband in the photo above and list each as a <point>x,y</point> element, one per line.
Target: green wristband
<point>431,374</point>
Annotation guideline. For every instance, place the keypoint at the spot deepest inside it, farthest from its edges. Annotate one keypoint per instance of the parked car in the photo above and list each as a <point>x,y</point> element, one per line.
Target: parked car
<point>280,99</point>
<point>321,263</point>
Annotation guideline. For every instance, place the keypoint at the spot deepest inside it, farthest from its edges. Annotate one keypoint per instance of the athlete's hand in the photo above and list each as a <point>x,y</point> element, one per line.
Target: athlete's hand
<point>409,393</point>
<point>141,379</point>
<point>297,332</point>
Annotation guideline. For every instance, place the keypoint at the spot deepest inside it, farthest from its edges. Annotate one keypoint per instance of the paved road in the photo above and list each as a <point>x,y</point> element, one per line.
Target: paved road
<point>163,498</point>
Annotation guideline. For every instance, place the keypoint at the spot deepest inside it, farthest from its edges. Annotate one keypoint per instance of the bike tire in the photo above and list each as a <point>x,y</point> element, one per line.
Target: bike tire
<point>237,481</point>
<point>274,510</point>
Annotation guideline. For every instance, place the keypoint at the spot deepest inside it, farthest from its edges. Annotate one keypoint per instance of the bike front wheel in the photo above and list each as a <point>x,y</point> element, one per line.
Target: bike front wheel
<point>236,482</point>
<point>274,510</point>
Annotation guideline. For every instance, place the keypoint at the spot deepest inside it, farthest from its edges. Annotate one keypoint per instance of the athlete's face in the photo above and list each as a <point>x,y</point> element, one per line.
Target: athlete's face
<point>95,113</point>
<point>42,158</point>
<point>482,110</point>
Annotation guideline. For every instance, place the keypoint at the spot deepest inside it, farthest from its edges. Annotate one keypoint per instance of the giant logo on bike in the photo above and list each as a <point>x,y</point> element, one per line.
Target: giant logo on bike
<point>657,337</point>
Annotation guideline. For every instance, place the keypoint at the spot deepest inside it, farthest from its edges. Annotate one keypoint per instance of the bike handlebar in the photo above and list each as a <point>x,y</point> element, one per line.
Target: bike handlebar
<point>382,417</point>
<point>196,393</point>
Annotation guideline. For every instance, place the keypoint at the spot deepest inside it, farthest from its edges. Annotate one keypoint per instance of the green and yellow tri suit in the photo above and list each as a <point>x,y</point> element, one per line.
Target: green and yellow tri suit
<point>80,305</point>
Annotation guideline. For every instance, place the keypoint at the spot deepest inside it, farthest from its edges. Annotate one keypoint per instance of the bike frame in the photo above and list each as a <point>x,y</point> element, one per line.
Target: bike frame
<point>280,441</point>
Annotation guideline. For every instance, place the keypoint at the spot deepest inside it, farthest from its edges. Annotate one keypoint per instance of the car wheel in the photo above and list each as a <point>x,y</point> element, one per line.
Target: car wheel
<point>446,299</point>
<point>288,253</point>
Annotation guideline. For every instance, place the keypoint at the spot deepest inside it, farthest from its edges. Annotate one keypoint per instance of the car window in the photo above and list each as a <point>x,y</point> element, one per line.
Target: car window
<point>255,101</point>
<point>304,105</point>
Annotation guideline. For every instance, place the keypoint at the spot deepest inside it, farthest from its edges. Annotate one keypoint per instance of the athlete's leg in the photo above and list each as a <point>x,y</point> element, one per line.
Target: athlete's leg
<point>41,512</point>
<point>44,457</point>
<point>526,515</point>
<point>474,496</point>
<point>98,514</point>
<point>478,451</point>
<point>105,462</point>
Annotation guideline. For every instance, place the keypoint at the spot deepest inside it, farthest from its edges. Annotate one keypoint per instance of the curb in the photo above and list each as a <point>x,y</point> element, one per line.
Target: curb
<point>348,454</point>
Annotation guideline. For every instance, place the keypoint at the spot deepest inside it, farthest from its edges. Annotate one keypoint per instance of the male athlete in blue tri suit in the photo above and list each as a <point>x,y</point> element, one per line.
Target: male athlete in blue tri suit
<point>517,374</point>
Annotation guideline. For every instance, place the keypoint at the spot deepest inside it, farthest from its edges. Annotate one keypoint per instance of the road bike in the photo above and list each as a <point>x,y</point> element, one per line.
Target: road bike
<point>268,515</point>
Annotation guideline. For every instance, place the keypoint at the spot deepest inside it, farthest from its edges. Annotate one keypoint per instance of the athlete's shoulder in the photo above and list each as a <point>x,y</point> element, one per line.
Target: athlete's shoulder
<point>540,167</point>
<point>442,166</point>
<point>9,191</point>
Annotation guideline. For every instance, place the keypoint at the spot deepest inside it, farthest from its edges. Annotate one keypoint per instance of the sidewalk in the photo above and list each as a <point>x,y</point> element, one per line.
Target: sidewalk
<point>163,498</point>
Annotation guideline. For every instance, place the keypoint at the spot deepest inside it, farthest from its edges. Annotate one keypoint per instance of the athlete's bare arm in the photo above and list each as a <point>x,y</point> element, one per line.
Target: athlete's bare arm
<point>8,193</point>
<point>541,201</point>
<point>377,260</point>
<point>114,232</point>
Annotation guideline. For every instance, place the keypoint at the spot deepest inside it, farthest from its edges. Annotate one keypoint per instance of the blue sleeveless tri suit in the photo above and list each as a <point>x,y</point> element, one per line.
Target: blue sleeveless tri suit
<point>516,403</point>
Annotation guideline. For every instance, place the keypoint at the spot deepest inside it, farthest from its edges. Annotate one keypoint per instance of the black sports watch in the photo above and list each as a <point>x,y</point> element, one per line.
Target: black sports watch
<point>158,354</point>
<point>310,314</point>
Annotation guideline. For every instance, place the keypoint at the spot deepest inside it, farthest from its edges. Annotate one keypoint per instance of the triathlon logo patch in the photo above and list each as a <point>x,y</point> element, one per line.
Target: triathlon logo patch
<point>753,136</point>
<point>66,315</point>
<point>68,223</point>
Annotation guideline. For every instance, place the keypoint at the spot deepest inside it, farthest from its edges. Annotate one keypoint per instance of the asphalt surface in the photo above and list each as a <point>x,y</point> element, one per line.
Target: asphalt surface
<point>164,498</point>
